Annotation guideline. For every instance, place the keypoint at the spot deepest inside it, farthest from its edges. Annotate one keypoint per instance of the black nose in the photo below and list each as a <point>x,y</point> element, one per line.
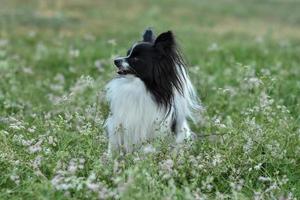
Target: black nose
<point>118,62</point>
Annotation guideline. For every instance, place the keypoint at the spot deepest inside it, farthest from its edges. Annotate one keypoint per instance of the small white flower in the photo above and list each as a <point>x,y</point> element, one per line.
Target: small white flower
<point>89,37</point>
<point>74,53</point>
<point>274,186</point>
<point>264,179</point>
<point>265,100</point>
<point>248,146</point>
<point>259,39</point>
<point>166,167</point>
<point>15,178</point>
<point>36,147</point>
<point>31,34</point>
<point>254,81</point>
<point>149,149</point>
<point>27,70</point>
<point>3,42</point>
<point>91,184</point>
<point>213,47</point>
<point>32,129</point>
<point>82,84</point>
<point>112,42</point>
<point>237,186</point>
<point>217,159</point>
<point>258,166</point>
<point>37,162</point>
<point>51,140</point>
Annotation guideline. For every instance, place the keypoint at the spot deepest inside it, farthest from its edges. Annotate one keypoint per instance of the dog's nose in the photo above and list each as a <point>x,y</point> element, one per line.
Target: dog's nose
<point>118,62</point>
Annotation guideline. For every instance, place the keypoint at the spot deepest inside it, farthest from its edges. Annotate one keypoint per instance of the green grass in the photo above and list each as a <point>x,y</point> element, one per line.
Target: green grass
<point>55,59</point>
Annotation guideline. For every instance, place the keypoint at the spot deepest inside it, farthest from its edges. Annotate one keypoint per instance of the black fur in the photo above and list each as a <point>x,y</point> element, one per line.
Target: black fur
<point>148,36</point>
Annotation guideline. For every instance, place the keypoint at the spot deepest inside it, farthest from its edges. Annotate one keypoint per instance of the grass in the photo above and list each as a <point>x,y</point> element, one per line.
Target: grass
<point>55,59</point>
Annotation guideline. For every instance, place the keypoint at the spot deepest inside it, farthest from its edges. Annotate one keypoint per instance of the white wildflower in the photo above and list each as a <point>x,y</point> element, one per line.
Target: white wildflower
<point>166,167</point>
<point>265,100</point>
<point>36,147</point>
<point>27,70</point>
<point>16,124</point>
<point>217,159</point>
<point>89,37</point>
<point>3,42</point>
<point>258,195</point>
<point>66,179</point>
<point>264,179</point>
<point>91,184</point>
<point>284,180</point>
<point>149,149</point>
<point>284,43</point>
<point>276,150</point>
<point>52,140</point>
<point>74,53</point>
<point>217,122</point>
<point>254,81</point>
<point>259,39</point>
<point>31,34</point>
<point>258,166</point>
<point>31,129</point>
<point>59,78</point>
<point>237,186</point>
<point>230,90</point>
<point>41,51</point>
<point>273,186</point>
<point>248,146</point>
<point>82,84</point>
<point>221,196</point>
<point>265,72</point>
<point>99,65</point>
<point>213,47</point>
<point>75,164</point>
<point>56,87</point>
<point>15,178</point>
<point>72,168</point>
<point>198,195</point>
<point>112,42</point>
<point>207,183</point>
<point>37,162</point>
<point>20,140</point>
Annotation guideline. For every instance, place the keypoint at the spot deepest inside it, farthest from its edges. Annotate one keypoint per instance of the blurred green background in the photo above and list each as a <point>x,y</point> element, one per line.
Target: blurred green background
<point>56,57</point>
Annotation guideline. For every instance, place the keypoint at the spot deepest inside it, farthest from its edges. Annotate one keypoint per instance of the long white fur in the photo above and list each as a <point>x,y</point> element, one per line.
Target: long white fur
<point>136,118</point>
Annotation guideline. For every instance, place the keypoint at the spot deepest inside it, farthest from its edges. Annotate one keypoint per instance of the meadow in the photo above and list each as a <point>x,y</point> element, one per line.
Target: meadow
<point>56,57</point>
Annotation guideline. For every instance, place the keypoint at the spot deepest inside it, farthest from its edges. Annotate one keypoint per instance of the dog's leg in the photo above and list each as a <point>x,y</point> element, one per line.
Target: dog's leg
<point>183,132</point>
<point>114,139</point>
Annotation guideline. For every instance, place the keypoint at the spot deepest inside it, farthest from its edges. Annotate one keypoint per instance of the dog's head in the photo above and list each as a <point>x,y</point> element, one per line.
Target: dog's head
<point>143,56</point>
<point>155,61</point>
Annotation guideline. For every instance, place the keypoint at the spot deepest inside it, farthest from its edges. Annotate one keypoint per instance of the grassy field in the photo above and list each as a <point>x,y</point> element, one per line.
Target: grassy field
<point>56,57</point>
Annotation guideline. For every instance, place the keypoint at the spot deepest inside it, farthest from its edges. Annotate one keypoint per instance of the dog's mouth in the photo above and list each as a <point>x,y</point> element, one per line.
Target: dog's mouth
<point>122,71</point>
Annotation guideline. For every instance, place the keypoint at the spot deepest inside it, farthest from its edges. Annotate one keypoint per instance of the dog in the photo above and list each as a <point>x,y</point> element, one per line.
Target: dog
<point>151,95</point>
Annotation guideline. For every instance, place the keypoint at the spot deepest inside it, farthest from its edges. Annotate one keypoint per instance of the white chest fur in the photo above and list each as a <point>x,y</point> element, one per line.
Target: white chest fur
<point>135,116</point>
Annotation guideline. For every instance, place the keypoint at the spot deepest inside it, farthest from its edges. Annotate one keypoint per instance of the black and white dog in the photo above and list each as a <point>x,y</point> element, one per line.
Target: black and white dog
<point>152,94</point>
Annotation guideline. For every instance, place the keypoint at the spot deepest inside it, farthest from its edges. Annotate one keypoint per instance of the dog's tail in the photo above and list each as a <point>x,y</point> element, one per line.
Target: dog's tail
<point>194,107</point>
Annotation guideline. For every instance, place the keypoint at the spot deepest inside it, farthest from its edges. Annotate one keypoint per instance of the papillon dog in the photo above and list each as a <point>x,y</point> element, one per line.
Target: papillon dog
<point>152,94</point>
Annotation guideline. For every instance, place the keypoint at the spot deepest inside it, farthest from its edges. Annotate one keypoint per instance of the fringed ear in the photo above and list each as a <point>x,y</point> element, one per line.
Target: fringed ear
<point>165,42</point>
<point>148,36</point>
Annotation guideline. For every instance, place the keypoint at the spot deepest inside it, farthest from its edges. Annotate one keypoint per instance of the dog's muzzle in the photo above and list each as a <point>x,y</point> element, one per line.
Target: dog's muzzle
<point>122,65</point>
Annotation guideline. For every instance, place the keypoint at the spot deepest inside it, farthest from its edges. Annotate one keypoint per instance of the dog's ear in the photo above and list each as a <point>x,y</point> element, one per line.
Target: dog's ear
<point>165,42</point>
<point>148,35</point>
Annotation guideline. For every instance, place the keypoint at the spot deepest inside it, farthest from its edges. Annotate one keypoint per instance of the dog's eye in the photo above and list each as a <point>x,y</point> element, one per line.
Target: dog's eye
<point>135,58</point>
